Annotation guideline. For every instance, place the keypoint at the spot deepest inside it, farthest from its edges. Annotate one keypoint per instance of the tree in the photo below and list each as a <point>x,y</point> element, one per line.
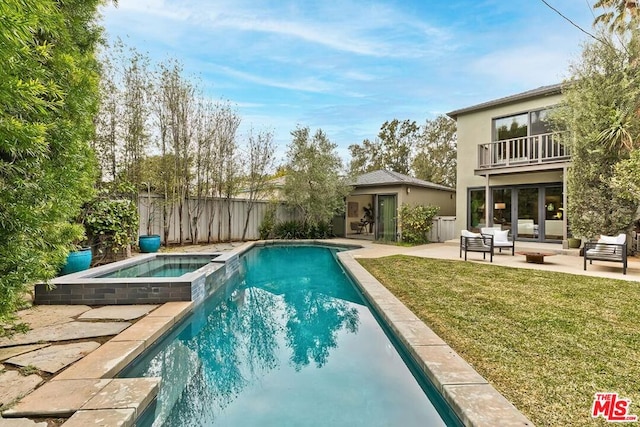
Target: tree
<point>391,150</point>
<point>398,140</point>
<point>260,151</point>
<point>48,99</point>
<point>314,185</point>
<point>599,110</point>
<point>366,157</point>
<point>436,157</point>
<point>619,15</point>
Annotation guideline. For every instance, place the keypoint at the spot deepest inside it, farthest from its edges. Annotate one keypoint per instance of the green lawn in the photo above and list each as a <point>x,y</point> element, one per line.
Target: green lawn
<point>547,341</point>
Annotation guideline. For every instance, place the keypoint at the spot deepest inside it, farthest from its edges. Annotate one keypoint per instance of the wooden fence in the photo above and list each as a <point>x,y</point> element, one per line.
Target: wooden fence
<point>209,215</point>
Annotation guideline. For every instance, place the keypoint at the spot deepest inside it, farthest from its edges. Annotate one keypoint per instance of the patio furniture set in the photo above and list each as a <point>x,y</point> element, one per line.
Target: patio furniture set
<point>607,248</point>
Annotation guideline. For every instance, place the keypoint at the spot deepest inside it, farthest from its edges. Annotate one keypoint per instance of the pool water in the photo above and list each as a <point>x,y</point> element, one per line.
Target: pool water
<point>161,266</point>
<point>289,342</point>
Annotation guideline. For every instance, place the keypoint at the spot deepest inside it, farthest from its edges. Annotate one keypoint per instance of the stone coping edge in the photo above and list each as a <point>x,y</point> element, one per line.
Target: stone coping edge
<point>476,402</point>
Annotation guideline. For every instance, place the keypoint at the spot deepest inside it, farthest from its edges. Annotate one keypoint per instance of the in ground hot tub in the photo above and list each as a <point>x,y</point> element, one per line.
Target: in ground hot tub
<point>145,279</point>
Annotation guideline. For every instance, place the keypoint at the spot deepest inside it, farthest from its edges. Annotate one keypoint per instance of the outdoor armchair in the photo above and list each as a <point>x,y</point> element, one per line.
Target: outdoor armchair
<point>500,238</point>
<point>607,248</point>
<point>476,242</point>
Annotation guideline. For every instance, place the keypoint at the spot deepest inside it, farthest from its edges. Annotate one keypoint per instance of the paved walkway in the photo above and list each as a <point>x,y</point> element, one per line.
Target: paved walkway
<point>63,335</point>
<point>564,260</point>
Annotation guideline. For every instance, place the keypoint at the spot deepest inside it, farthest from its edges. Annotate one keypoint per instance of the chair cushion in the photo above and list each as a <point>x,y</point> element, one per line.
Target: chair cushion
<point>612,240</point>
<point>500,236</point>
<point>467,233</point>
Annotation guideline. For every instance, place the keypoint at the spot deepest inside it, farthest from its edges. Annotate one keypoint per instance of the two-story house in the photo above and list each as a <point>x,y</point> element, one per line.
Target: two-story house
<point>512,167</point>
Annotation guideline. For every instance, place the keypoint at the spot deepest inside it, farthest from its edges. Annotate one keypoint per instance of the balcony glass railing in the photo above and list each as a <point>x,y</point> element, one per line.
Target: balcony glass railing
<point>527,150</point>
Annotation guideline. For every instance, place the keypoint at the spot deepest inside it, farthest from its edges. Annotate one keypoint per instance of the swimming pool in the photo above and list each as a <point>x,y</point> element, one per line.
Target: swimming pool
<point>288,341</point>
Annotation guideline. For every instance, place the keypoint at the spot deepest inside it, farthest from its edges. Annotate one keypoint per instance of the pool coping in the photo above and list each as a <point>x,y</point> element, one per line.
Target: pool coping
<point>471,397</point>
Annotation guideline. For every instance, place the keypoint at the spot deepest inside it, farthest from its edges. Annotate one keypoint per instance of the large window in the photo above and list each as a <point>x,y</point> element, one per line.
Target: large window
<point>510,127</point>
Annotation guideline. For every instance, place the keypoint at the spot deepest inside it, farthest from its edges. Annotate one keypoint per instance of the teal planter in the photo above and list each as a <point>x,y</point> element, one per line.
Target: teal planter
<point>149,243</point>
<point>77,261</point>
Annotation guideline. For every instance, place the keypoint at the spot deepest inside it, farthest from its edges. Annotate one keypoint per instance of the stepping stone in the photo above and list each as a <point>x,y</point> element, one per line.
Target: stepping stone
<point>46,315</point>
<point>21,422</point>
<point>57,398</point>
<point>56,357</point>
<point>13,386</point>
<point>66,332</point>
<point>6,353</point>
<point>117,312</point>
<point>101,418</point>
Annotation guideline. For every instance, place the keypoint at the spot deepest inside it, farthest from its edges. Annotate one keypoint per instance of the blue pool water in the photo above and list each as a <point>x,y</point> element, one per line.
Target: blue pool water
<point>161,266</point>
<point>289,342</point>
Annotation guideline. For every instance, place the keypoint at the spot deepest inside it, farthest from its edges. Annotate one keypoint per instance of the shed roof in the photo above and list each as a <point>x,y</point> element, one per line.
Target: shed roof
<point>384,177</point>
<point>534,93</point>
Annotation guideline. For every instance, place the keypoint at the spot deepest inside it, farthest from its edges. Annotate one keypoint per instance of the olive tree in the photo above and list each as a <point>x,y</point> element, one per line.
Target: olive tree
<point>314,185</point>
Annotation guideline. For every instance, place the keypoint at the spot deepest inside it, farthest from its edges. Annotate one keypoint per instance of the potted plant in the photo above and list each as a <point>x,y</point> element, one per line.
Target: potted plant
<point>78,260</point>
<point>368,216</point>
<point>574,242</point>
<point>149,242</point>
<point>80,256</point>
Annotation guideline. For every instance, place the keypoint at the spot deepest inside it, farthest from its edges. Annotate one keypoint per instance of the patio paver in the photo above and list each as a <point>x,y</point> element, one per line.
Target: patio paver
<point>66,332</point>
<point>9,352</point>
<point>14,385</point>
<point>117,312</point>
<point>57,398</point>
<point>54,358</point>
<point>21,422</point>
<point>46,315</point>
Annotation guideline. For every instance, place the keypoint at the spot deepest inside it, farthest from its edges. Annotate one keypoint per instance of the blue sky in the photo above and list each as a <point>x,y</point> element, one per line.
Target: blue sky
<point>347,66</point>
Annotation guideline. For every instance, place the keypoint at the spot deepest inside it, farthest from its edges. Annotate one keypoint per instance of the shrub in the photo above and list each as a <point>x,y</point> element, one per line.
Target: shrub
<point>268,222</point>
<point>290,230</point>
<point>111,221</point>
<point>416,222</point>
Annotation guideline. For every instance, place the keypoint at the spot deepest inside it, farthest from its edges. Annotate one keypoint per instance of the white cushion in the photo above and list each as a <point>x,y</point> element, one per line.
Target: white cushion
<point>500,236</point>
<point>467,233</point>
<point>612,240</point>
<point>621,239</point>
<point>489,230</point>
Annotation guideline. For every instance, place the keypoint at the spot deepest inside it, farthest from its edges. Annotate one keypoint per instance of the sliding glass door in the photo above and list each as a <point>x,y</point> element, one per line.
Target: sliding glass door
<point>387,216</point>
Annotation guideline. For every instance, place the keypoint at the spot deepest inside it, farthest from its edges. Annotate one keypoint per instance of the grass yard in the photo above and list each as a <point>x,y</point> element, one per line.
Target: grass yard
<point>547,341</point>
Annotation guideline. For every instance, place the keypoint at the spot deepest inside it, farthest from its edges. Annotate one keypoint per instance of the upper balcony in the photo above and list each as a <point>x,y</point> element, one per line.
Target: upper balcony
<point>527,153</point>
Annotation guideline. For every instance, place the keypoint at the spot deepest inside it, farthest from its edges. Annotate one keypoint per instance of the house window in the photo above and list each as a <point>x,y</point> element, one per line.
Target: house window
<point>524,137</point>
<point>510,127</point>
<point>540,123</point>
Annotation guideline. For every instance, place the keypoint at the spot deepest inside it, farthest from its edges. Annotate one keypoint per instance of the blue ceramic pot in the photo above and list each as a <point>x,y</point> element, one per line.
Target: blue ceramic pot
<point>149,243</point>
<point>77,261</point>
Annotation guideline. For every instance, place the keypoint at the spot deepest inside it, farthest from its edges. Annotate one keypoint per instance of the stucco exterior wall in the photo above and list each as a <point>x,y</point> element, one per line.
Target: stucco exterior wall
<point>475,128</point>
<point>446,200</point>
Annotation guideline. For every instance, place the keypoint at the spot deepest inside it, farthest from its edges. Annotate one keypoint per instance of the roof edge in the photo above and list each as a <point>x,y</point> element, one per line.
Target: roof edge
<point>534,93</point>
